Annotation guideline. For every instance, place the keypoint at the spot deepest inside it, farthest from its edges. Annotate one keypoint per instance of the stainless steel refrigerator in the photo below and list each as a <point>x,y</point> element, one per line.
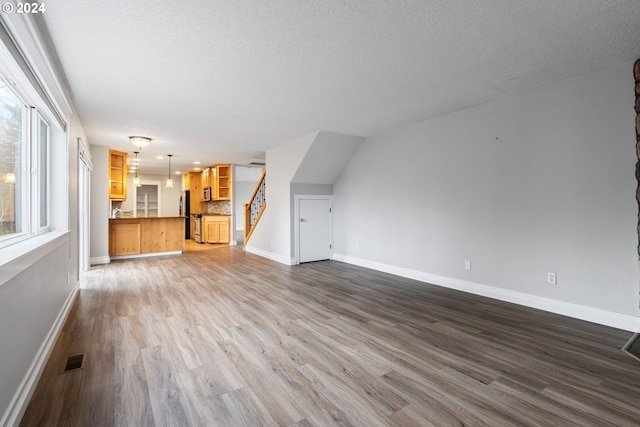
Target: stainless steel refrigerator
<point>185,211</point>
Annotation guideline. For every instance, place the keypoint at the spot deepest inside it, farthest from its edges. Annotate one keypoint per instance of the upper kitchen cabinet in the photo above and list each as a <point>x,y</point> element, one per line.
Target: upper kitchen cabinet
<point>186,181</point>
<point>117,175</point>
<point>221,182</point>
<point>206,177</point>
<point>195,186</point>
<point>205,184</point>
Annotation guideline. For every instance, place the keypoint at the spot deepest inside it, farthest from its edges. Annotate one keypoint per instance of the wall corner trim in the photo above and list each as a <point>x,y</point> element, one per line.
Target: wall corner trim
<point>590,314</point>
<point>18,406</point>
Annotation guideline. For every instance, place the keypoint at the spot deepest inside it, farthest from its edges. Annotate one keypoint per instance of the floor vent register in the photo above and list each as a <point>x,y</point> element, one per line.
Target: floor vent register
<point>632,347</point>
<point>73,363</point>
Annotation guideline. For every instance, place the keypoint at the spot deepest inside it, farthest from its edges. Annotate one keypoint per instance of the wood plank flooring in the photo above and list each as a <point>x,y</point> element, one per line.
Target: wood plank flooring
<point>223,337</point>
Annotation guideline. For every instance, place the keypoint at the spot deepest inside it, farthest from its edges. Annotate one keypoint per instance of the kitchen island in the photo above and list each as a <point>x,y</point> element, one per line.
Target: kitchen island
<point>138,236</point>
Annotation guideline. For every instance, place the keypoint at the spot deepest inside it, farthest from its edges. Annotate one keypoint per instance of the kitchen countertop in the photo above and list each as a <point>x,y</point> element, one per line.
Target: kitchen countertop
<point>145,217</point>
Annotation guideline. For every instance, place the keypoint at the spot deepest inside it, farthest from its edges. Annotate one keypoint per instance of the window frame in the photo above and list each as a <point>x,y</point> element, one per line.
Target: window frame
<point>38,175</point>
<point>29,213</point>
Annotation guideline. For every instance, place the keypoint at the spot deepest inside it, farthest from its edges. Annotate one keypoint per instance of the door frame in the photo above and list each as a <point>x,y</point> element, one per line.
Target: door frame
<point>85,167</point>
<point>296,221</point>
<point>158,184</point>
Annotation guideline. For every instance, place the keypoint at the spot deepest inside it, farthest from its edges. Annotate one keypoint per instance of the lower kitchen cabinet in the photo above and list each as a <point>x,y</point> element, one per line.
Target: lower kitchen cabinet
<point>124,238</point>
<point>135,236</point>
<point>216,229</point>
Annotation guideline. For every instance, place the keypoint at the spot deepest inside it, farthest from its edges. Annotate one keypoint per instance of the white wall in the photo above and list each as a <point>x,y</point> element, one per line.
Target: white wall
<point>75,131</point>
<point>307,165</point>
<point>39,286</point>
<point>323,189</point>
<point>169,197</point>
<point>272,237</point>
<point>30,306</point>
<point>99,245</point>
<point>326,158</point>
<point>243,193</point>
<point>539,182</point>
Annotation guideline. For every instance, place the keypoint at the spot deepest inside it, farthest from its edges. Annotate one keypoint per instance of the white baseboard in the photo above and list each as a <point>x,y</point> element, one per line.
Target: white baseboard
<point>20,400</point>
<point>146,255</point>
<point>100,260</point>
<point>272,256</point>
<point>590,314</point>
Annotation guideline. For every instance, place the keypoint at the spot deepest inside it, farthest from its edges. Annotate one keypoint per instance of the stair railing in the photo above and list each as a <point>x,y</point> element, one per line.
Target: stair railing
<point>253,210</point>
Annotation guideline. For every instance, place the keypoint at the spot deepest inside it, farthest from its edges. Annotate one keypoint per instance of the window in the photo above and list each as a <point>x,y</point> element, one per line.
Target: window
<point>44,179</point>
<point>12,135</point>
<point>24,168</point>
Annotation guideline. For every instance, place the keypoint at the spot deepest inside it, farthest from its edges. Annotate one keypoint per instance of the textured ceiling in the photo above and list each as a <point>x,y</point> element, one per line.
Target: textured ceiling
<point>222,81</point>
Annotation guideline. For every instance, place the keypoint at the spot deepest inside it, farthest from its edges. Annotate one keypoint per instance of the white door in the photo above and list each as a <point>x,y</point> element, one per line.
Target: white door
<point>315,229</point>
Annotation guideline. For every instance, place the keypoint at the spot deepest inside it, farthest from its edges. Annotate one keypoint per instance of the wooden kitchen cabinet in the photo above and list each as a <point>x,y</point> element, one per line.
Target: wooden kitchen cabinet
<point>216,229</point>
<point>206,178</point>
<point>205,184</point>
<point>186,181</point>
<point>135,236</point>
<point>124,238</point>
<point>196,192</point>
<point>117,175</point>
<point>221,182</point>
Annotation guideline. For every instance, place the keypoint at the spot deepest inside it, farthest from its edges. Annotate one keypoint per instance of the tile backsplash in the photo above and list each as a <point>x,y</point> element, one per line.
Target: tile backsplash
<point>219,207</point>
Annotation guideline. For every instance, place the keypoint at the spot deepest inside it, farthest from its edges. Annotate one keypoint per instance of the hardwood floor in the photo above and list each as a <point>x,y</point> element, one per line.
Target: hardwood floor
<point>223,337</point>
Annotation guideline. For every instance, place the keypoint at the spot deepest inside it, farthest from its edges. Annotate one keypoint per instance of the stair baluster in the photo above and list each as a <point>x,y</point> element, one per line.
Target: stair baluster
<point>253,210</point>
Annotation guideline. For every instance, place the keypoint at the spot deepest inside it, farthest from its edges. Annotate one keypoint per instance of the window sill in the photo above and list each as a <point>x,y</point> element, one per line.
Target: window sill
<point>16,258</point>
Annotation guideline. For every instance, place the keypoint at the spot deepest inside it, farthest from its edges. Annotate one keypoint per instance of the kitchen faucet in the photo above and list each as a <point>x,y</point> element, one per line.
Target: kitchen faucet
<point>115,211</point>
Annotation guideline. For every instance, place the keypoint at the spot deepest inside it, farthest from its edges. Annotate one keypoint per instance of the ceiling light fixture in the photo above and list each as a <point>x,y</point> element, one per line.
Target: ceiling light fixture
<point>169,183</point>
<point>136,180</point>
<point>140,141</point>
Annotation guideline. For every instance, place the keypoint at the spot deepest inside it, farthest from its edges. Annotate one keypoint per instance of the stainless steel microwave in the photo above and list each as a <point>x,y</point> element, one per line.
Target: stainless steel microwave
<point>206,194</point>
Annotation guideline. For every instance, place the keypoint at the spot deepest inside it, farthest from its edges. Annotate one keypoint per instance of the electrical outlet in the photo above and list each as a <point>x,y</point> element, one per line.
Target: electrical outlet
<point>467,264</point>
<point>357,246</point>
<point>551,278</point>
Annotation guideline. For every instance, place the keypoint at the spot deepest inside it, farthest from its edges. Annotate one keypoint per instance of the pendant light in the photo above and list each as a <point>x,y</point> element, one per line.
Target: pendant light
<point>136,180</point>
<point>10,177</point>
<point>169,183</point>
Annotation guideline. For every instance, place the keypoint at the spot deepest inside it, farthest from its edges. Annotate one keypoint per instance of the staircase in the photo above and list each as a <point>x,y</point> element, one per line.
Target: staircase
<point>253,210</point>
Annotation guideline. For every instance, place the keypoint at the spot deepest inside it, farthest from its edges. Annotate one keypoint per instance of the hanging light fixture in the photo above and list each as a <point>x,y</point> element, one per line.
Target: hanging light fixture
<point>136,180</point>
<point>10,177</point>
<point>169,183</point>
<point>140,141</point>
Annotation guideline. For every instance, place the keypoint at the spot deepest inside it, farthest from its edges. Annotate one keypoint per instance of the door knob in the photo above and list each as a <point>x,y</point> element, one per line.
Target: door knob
<point>302,220</point>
